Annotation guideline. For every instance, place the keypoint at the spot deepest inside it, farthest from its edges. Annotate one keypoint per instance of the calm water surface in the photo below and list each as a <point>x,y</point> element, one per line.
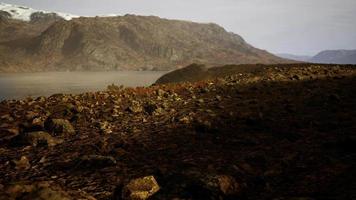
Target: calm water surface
<point>19,85</point>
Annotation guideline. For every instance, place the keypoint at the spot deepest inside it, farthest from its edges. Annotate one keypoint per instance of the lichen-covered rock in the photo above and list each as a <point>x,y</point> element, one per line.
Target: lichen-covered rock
<point>140,188</point>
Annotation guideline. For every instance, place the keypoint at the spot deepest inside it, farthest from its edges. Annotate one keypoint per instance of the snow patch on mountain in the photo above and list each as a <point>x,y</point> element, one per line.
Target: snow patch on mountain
<point>24,13</point>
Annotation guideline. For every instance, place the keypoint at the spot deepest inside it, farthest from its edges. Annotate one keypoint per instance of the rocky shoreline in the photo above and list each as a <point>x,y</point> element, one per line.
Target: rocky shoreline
<point>287,133</point>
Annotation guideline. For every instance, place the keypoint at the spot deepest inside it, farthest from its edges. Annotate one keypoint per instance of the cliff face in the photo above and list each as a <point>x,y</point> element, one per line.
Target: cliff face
<point>123,43</point>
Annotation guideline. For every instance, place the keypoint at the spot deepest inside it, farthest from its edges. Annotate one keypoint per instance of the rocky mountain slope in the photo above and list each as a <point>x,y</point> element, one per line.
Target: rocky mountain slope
<point>121,43</point>
<point>287,133</point>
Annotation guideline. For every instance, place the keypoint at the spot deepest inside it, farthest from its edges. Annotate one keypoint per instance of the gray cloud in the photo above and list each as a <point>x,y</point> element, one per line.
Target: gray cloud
<point>288,26</point>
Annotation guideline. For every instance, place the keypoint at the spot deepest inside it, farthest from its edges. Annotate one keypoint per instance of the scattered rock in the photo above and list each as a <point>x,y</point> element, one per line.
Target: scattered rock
<point>59,126</point>
<point>140,188</point>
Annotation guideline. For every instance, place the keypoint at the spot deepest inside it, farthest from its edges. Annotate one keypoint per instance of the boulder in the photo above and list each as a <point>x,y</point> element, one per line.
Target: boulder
<point>140,188</point>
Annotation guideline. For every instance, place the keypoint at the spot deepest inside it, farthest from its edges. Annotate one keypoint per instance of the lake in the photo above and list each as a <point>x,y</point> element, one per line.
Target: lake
<point>19,85</point>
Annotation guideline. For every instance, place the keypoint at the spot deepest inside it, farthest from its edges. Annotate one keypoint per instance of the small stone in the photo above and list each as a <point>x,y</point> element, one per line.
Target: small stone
<point>22,164</point>
<point>140,188</point>
<point>59,126</point>
<point>201,100</point>
<point>106,127</point>
<point>38,122</point>
<point>296,77</point>
<point>184,120</point>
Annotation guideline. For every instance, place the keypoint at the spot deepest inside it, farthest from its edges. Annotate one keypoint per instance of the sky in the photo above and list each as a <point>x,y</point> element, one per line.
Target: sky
<point>302,27</point>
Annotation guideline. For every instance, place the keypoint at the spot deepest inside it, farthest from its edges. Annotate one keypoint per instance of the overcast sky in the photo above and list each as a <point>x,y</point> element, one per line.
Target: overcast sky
<point>280,26</point>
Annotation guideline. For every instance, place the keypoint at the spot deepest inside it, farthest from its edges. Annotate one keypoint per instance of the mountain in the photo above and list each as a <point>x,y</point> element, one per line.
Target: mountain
<point>335,57</point>
<point>302,58</point>
<point>127,42</point>
<point>327,57</point>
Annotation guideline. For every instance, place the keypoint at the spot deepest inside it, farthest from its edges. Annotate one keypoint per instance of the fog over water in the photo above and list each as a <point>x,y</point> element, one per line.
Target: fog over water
<point>19,85</point>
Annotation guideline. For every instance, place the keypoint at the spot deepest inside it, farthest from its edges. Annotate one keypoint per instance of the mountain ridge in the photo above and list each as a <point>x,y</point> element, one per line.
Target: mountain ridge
<point>337,56</point>
<point>129,42</point>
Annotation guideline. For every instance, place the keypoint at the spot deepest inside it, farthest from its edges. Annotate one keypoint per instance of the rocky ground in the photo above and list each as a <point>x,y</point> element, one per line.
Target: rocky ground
<point>285,134</point>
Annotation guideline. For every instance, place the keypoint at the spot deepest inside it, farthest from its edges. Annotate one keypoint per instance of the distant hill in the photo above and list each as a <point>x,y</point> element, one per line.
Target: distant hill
<point>335,57</point>
<point>46,42</point>
<point>295,57</point>
<point>198,72</point>
<point>326,57</point>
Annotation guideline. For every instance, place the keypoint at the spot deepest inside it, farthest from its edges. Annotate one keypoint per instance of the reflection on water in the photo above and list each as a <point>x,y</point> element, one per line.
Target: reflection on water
<point>19,85</point>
